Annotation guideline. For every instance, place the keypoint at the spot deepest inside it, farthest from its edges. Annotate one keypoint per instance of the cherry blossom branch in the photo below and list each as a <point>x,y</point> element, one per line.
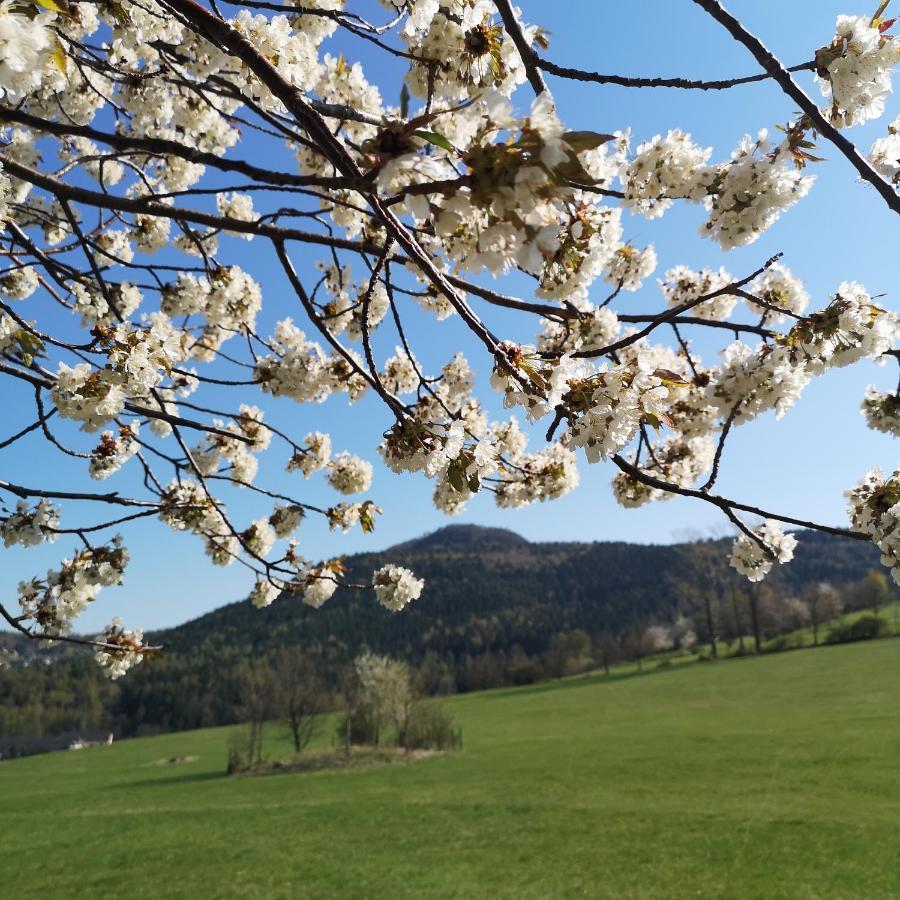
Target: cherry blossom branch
<point>228,38</point>
<point>112,497</point>
<point>782,77</point>
<point>720,446</point>
<point>725,504</point>
<point>68,639</point>
<point>130,143</point>
<point>527,54</point>
<point>671,314</point>
<point>47,383</point>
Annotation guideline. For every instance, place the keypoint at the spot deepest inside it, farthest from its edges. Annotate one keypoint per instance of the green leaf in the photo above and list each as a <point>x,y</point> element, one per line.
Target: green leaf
<point>580,141</point>
<point>57,6</point>
<point>670,379</point>
<point>455,477</point>
<point>404,102</point>
<point>58,56</point>
<point>534,376</point>
<point>437,139</point>
<point>573,170</point>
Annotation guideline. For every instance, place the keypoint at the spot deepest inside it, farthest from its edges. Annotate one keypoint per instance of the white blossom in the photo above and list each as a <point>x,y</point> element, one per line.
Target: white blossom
<point>320,587</point>
<point>67,591</point>
<point>882,411</point>
<point>19,283</point>
<point>682,285</point>
<point>314,456</point>
<point>286,519</point>
<point>874,508</point>
<point>264,593</point>
<point>26,44</point>
<point>885,153</point>
<point>349,474</point>
<point>113,451</point>
<point>395,587</point>
<point>751,192</point>
<point>629,267</point>
<point>754,558</point>
<point>666,169</point>
<point>777,287</point>
<point>123,650</point>
<point>30,527</point>
<point>855,70</point>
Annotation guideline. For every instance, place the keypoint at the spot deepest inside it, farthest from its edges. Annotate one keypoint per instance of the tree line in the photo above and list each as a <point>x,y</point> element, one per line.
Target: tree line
<point>208,686</point>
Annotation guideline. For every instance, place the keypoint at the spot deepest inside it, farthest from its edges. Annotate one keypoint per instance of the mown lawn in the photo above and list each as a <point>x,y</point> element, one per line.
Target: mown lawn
<point>776,777</point>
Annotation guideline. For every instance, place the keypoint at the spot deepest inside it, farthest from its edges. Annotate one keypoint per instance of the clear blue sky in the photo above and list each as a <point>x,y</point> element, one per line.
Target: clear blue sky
<point>798,466</point>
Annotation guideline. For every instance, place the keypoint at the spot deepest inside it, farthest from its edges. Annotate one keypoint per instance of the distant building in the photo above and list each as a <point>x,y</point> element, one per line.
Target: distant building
<point>12,745</point>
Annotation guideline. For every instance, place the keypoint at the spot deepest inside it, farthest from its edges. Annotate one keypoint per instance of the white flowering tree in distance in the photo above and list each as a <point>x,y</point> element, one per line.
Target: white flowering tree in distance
<point>135,136</point>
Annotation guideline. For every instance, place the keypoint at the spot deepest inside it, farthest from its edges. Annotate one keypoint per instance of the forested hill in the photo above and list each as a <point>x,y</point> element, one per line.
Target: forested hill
<point>496,610</point>
<point>489,587</point>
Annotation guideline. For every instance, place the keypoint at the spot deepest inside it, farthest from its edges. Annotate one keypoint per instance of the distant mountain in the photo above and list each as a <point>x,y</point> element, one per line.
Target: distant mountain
<point>489,587</point>
<point>462,537</point>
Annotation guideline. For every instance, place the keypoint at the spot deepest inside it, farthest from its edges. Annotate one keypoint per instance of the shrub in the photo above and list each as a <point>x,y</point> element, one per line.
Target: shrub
<point>358,726</point>
<point>863,629</point>
<point>528,673</point>
<point>240,751</point>
<point>432,727</point>
<point>784,642</point>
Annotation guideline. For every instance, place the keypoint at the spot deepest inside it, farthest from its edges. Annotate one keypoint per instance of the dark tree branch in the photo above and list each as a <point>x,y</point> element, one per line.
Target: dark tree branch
<point>637,82</point>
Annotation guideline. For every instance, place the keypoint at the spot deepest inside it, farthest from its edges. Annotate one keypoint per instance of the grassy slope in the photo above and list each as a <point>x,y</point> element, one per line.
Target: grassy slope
<point>773,777</point>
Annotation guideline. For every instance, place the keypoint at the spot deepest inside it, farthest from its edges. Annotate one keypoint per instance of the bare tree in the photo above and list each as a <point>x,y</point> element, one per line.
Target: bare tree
<point>607,649</point>
<point>735,597</point>
<point>824,604</point>
<point>300,695</point>
<point>256,707</point>
<point>872,591</point>
<point>758,596</point>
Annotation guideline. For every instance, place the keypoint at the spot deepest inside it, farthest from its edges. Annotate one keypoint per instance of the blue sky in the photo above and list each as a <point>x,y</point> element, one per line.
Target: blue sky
<point>798,466</point>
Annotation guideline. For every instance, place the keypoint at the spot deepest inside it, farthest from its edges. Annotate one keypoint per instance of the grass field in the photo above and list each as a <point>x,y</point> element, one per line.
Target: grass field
<point>776,777</point>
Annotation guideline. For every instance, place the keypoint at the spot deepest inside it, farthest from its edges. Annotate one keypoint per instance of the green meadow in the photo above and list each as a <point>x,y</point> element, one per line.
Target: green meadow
<point>772,777</point>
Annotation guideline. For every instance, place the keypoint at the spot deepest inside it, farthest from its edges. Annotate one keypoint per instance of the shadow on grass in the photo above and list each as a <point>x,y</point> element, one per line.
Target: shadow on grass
<point>586,680</point>
<point>652,668</point>
<point>185,778</point>
<point>328,761</point>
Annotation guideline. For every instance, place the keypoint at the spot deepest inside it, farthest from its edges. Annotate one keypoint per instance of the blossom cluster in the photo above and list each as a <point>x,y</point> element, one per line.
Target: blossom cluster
<point>114,451</point>
<point>874,508</point>
<point>395,587</point>
<point>683,288</point>
<point>55,601</point>
<point>676,460</point>
<point>300,369</point>
<point>855,70</point>
<point>743,196</point>
<point>30,527</point>
<point>470,46</point>
<point>885,153</point>
<point>773,375</point>
<point>882,411</point>
<point>755,556</point>
<point>119,649</point>
<point>137,362</point>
